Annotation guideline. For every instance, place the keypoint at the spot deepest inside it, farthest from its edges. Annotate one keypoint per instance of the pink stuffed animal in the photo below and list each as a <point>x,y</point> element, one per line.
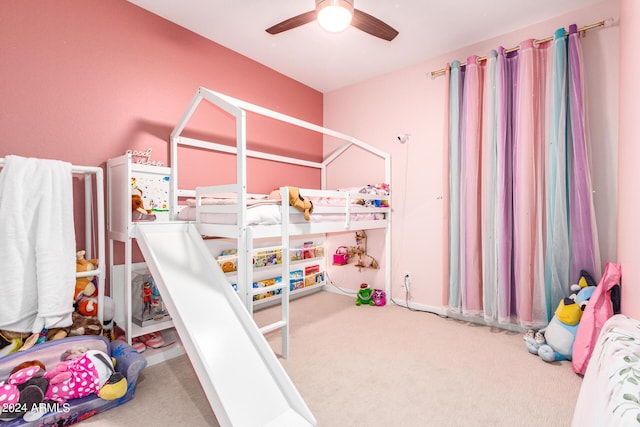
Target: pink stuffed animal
<point>87,374</point>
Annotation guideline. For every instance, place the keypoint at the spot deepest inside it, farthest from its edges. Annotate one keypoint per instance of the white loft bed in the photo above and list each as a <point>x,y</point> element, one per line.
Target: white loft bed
<point>92,224</point>
<point>242,231</point>
<point>345,216</point>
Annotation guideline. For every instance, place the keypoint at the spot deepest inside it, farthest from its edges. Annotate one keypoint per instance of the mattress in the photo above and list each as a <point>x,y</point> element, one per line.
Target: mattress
<point>270,214</point>
<point>266,209</point>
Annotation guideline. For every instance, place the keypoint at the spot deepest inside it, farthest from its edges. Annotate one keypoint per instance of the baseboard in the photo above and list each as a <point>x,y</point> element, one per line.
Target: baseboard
<point>445,312</point>
<point>440,311</point>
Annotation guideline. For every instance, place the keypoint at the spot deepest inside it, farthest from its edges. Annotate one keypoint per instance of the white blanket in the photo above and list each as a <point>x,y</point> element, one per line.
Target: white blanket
<point>37,244</point>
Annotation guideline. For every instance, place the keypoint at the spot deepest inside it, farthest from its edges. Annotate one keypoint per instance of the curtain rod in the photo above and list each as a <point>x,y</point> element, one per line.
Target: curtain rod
<point>605,23</point>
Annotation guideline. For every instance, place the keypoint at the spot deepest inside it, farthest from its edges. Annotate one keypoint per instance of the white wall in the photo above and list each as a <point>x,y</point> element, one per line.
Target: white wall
<point>410,101</point>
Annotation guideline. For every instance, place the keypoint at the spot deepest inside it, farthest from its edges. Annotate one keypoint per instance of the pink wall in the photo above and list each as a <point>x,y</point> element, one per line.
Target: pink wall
<point>85,80</point>
<point>409,101</point>
<point>628,172</point>
<point>88,81</point>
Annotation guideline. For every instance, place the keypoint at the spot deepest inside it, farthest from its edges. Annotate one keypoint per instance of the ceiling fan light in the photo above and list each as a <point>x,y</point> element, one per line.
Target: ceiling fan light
<point>334,15</point>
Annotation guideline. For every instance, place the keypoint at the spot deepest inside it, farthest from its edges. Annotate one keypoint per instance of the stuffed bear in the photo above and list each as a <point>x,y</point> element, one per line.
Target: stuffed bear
<point>297,201</point>
<point>365,295</point>
<point>555,342</point>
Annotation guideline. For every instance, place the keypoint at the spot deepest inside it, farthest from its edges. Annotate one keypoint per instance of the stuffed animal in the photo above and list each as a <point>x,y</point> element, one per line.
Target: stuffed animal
<point>365,295</point>
<point>89,307</point>
<point>86,293</point>
<point>138,212</point>
<point>379,297</point>
<point>23,391</point>
<point>84,325</point>
<point>89,373</point>
<point>84,285</point>
<point>297,201</point>
<point>9,342</point>
<point>555,342</point>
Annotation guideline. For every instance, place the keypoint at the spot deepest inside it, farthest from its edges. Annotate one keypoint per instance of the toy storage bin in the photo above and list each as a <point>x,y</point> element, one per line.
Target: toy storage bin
<point>128,362</point>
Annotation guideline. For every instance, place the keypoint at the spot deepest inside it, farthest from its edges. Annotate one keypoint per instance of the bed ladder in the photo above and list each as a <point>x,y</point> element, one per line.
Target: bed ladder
<point>283,323</point>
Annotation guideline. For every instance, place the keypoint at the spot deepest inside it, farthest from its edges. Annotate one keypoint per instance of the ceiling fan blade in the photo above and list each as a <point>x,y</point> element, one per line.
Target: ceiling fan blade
<point>372,25</point>
<point>292,23</point>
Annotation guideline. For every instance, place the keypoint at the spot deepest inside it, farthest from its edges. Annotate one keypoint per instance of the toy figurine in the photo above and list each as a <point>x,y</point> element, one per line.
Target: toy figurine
<point>147,298</point>
<point>159,309</point>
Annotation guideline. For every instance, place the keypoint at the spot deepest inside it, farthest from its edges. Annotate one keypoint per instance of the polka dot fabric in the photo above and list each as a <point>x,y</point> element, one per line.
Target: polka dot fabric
<point>9,394</point>
<point>24,375</point>
<point>83,380</point>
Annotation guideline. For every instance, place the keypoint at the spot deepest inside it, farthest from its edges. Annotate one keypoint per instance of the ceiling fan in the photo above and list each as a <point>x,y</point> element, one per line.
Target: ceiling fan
<point>335,16</point>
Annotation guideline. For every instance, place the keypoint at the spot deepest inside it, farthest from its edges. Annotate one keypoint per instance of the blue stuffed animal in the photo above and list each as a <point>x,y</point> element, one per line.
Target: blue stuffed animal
<point>555,342</point>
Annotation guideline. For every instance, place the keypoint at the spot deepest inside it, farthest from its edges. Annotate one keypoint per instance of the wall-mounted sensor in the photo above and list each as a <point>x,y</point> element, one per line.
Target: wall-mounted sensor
<point>403,137</point>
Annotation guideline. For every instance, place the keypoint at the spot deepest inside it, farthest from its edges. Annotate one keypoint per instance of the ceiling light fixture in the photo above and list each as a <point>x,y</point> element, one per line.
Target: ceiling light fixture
<point>334,15</point>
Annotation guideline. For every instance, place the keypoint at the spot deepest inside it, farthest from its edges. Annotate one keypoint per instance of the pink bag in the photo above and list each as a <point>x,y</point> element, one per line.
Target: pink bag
<point>341,257</point>
<point>598,310</point>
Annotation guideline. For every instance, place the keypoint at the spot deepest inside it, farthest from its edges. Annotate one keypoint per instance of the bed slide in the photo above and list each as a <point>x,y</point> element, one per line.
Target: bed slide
<point>243,380</point>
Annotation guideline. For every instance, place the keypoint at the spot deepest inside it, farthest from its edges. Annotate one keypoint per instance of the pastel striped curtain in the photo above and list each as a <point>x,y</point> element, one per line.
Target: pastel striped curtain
<point>521,217</point>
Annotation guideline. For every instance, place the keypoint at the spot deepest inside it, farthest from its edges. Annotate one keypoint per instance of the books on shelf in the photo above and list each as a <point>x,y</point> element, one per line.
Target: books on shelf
<point>228,258</point>
<point>312,275</point>
<point>309,250</point>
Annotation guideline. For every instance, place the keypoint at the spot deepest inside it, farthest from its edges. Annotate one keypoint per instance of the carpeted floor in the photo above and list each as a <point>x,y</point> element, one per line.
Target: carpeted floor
<point>380,366</point>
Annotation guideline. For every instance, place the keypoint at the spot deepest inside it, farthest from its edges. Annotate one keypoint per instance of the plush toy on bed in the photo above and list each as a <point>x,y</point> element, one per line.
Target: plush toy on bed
<point>365,295</point>
<point>555,342</point>
<point>297,201</point>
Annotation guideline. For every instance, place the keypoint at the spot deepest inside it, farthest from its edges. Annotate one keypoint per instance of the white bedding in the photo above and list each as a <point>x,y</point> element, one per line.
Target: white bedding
<point>264,210</point>
<point>609,395</point>
<point>269,214</point>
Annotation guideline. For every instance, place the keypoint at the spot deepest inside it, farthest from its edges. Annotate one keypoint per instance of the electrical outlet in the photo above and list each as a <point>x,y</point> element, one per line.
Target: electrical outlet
<point>406,281</point>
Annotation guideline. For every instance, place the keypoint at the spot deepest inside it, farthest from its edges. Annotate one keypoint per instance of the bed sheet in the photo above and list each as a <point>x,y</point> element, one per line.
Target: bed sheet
<point>269,214</point>
<point>609,393</point>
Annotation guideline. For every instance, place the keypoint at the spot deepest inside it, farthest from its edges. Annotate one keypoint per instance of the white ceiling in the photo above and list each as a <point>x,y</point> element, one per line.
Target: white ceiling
<point>325,61</point>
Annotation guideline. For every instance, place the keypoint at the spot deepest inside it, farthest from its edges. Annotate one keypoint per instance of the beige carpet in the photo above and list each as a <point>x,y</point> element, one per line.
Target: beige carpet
<point>380,366</point>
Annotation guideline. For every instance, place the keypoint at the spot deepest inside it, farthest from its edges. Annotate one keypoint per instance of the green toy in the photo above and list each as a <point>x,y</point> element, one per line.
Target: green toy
<point>365,295</point>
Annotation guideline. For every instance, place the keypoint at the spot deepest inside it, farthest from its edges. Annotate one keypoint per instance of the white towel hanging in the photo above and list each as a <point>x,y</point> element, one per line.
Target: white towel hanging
<point>37,244</point>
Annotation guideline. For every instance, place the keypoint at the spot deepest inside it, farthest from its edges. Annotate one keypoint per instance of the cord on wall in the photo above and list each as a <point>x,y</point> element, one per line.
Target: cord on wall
<point>406,282</point>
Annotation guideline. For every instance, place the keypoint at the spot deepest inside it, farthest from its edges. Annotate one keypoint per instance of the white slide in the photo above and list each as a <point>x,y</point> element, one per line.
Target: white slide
<point>242,378</point>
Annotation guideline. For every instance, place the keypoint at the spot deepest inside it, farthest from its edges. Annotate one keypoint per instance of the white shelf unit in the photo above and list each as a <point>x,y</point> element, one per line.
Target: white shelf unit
<point>268,265</point>
<point>121,228</point>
